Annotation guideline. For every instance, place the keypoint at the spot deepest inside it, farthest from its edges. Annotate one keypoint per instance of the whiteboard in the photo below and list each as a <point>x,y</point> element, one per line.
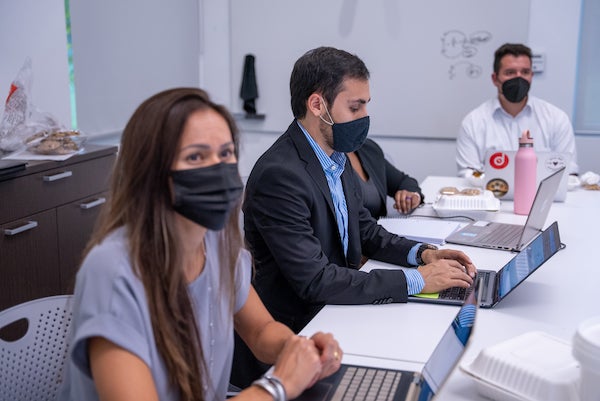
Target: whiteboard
<point>430,60</point>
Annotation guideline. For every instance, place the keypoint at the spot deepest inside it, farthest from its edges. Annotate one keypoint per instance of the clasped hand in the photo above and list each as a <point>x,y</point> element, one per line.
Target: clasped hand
<point>303,361</point>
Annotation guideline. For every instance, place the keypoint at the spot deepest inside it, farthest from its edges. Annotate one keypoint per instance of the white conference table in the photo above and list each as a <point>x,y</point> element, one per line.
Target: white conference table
<point>554,299</point>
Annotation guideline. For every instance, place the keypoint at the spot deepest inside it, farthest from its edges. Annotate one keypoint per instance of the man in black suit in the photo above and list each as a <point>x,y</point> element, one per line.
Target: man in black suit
<point>304,218</point>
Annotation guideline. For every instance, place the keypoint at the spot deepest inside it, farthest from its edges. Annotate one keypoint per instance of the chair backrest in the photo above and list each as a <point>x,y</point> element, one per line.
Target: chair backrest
<point>31,366</point>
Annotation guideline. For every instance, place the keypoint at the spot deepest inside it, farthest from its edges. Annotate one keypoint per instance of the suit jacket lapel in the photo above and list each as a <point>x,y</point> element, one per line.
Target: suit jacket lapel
<point>313,167</point>
<point>354,247</point>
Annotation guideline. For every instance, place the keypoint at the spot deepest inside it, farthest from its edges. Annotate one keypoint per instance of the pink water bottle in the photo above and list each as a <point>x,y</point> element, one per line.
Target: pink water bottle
<point>525,174</point>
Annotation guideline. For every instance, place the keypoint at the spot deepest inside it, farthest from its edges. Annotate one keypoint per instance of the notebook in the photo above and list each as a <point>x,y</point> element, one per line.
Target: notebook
<point>495,286</point>
<point>352,382</point>
<point>499,169</point>
<point>420,229</point>
<point>511,237</point>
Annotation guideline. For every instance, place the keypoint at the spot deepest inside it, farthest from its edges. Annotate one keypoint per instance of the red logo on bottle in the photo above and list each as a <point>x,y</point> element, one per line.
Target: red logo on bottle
<point>499,160</point>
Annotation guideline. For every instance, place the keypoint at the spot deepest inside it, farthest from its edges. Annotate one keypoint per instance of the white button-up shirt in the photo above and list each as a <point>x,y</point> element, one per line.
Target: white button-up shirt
<point>490,127</point>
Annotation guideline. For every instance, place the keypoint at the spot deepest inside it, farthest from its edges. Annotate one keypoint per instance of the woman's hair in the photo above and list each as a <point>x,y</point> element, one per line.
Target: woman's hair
<point>141,202</point>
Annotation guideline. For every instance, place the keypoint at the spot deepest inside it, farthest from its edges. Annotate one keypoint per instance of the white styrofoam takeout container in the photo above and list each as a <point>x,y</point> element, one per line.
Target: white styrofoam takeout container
<point>534,366</point>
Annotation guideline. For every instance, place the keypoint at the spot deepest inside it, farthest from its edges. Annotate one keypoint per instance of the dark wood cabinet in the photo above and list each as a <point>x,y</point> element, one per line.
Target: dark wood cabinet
<point>47,214</point>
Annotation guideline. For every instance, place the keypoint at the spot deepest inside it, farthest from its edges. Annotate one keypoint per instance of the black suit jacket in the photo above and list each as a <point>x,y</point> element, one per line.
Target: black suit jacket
<point>291,230</point>
<point>387,179</point>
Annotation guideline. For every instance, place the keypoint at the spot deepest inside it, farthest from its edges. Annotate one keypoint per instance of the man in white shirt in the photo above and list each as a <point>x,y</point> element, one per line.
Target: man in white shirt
<point>499,122</point>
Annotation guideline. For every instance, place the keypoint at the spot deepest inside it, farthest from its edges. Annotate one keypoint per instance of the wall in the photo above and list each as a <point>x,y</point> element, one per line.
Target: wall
<point>126,51</point>
<point>36,29</point>
<point>212,41</point>
<point>422,157</point>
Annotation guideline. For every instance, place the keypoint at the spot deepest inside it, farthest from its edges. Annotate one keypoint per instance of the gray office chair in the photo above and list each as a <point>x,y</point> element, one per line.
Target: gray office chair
<point>33,348</point>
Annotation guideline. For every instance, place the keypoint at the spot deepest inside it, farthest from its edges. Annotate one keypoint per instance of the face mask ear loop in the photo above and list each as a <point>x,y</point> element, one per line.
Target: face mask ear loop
<point>327,111</point>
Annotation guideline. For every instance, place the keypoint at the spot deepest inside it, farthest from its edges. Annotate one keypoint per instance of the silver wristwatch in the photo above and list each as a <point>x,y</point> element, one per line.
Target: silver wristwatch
<point>272,385</point>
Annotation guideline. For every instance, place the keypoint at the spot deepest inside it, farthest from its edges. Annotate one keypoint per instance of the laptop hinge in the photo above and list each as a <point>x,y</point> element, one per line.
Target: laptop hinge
<point>414,388</point>
<point>492,292</point>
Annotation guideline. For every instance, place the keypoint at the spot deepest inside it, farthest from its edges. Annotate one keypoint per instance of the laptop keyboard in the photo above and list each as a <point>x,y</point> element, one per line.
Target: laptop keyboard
<point>454,293</point>
<point>367,384</point>
<point>502,234</point>
<point>460,293</point>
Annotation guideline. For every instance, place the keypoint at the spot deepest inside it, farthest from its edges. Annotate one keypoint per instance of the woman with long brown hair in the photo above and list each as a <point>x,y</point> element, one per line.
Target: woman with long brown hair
<point>165,279</point>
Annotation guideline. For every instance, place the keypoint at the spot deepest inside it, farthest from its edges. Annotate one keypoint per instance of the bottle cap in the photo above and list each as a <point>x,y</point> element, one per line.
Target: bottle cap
<point>526,138</point>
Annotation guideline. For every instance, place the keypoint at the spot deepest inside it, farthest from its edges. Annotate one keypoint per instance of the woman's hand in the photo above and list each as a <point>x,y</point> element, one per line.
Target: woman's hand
<point>405,201</point>
<point>330,351</point>
<point>298,365</point>
<point>303,361</point>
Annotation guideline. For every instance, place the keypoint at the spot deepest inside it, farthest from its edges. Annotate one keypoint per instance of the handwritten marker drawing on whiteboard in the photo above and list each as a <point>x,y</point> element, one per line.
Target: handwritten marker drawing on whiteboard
<point>456,44</point>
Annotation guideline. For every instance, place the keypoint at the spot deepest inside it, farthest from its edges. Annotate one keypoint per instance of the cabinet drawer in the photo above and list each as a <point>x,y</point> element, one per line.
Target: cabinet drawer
<point>28,261</point>
<point>75,222</point>
<point>33,193</point>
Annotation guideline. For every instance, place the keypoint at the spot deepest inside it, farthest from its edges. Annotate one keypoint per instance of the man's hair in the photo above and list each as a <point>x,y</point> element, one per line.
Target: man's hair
<point>323,70</point>
<point>514,49</point>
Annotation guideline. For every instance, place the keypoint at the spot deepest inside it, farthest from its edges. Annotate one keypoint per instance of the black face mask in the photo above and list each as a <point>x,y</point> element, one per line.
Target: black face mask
<point>515,89</point>
<point>348,136</point>
<point>206,195</point>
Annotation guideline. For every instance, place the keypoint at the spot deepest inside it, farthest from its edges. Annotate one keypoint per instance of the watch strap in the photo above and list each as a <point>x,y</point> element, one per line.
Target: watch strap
<point>281,394</point>
<point>419,255</point>
<point>272,385</point>
<point>267,386</point>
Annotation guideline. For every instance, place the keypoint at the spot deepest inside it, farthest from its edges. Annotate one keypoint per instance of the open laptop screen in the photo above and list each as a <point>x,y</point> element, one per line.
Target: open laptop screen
<point>450,348</point>
<point>528,260</point>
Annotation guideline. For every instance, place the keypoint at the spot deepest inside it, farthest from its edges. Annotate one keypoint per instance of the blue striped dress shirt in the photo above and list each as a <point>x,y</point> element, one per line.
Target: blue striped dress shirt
<point>333,167</point>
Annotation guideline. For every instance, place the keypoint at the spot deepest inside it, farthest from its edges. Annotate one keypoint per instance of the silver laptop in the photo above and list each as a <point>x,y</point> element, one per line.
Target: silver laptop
<point>499,169</point>
<point>511,237</point>
<point>353,382</point>
<point>495,286</point>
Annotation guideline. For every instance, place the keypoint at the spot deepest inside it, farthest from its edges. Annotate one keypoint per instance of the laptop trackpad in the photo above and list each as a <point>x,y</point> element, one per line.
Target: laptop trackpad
<point>319,392</point>
<point>481,223</point>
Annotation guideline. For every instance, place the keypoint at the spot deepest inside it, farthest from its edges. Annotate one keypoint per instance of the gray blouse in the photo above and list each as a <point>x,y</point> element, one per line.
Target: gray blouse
<point>110,302</point>
<point>370,195</point>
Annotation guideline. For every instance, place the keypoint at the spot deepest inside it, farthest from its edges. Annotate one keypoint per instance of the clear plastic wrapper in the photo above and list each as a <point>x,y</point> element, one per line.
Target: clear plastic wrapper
<point>21,119</point>
<point>55,142</point>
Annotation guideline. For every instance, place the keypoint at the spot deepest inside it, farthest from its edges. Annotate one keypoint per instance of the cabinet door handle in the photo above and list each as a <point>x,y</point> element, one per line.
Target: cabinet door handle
<point>94,203</point>
<point>64,174</point>
<point>14,231</point>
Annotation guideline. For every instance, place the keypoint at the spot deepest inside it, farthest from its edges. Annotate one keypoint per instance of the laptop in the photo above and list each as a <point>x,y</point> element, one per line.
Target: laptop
<point>495,286</point>
<point>353,382</point>
<point>511,237</point>
<point>8,167</point>
<point>499,169</point>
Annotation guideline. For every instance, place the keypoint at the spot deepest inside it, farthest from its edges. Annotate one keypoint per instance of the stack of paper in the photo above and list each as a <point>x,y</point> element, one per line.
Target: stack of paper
<point>422,230</point>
